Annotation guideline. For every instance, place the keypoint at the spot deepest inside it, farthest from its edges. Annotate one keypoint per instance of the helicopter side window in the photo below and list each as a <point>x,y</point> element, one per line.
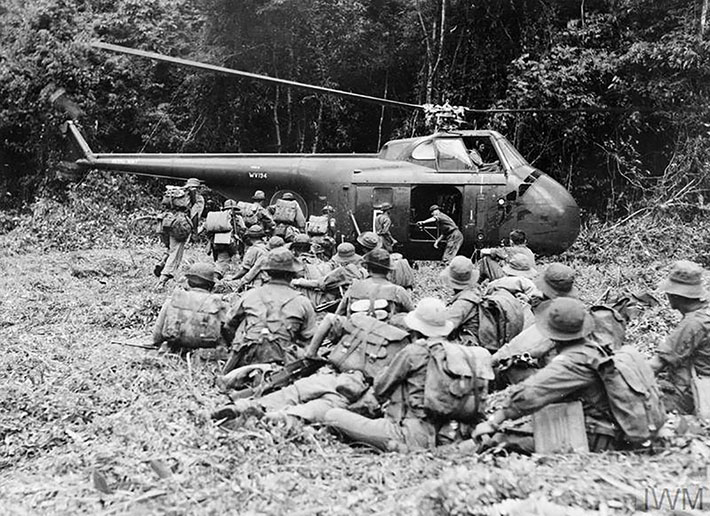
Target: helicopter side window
<point>452,156</point>
<point>424,152</point>
<point>512,155</point>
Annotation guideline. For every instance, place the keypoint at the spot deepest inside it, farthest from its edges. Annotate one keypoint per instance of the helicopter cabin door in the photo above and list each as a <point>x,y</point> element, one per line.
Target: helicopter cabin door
<point>461,190</point>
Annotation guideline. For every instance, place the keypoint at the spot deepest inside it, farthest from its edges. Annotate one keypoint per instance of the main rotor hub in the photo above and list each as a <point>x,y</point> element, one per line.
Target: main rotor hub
<point>444,117</point>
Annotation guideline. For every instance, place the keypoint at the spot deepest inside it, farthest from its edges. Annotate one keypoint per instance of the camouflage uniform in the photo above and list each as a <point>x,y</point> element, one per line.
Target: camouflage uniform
<point>273,304</point>
<point>688,344</point>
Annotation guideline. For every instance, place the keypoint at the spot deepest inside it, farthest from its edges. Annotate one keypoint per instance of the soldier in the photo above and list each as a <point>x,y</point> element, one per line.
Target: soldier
<point>192,318</point>
<point>463,308</point>
<point>321,230</point>
<point>383,226</point>
<point>518,245</point>
<point>256,275</point>
<point>175,232</point>
<point>573,375</point>
<point>448,232</point>
<point>270,323</point>
<point>376,294</point>
<point>197,202</point>
<point>368,241</point>
<point>224,245</point>
<point>288,216</point>
<point>537,350</point>
<point>256,213</point>
<point>518,280</point>
<point>255,249</point>
<point>686,351</point>
<point>400,387</point>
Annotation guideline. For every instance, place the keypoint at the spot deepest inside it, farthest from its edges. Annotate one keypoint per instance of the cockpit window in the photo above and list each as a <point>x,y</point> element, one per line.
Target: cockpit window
<point>425,151</point>
<point>512,155</point>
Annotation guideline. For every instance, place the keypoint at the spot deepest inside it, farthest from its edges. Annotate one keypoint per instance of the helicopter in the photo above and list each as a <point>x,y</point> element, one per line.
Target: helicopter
<point>475,176</point>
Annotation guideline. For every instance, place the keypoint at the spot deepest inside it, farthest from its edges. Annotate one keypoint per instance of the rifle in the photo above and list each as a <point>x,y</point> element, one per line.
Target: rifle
<point>286,376</point>
<point>327,305</point>
<point>132,345</point>
<point>352,217</point>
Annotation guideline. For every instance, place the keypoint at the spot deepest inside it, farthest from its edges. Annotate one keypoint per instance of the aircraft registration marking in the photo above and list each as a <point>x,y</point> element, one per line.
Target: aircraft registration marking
<point>258,175</point>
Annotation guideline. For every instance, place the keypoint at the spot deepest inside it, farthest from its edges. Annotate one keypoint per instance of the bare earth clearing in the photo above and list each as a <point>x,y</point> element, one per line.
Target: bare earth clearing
<point>91,427</point>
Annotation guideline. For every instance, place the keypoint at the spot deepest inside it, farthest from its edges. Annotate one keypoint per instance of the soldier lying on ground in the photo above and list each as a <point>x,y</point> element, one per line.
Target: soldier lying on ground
<point>192,318</point>
<point>616,415</point>
<point>417,402</point>
<point>359,344</point>
<point>376,294</point>
<point>270,323</point>
<point>686,351</point>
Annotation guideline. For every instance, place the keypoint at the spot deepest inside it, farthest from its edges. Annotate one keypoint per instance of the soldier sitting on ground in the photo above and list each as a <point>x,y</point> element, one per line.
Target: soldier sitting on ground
<point>256,275</point>
<point>192,318</point>
<point>518,280</point>
<point>616,416</point>
<point>256,248</point>
<point>376,295</point>
<point>686,351</point>
<point>408,389</point>
<point>269,324</point>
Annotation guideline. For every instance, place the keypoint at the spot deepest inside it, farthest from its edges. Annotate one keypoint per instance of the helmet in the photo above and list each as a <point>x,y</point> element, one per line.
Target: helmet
<point>193,182</point>
<point>288,196</point>
<point>281,259</point>
<point>204,271</point>
<point>258,196</point>
<point>229,204</point>
<point>255,231</point>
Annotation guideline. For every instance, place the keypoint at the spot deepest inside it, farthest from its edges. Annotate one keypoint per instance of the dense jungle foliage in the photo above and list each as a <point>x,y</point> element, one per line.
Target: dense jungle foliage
<point>648,55</point>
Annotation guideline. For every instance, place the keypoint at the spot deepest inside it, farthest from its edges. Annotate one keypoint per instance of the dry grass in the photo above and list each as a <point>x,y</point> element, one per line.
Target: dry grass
<point>90,427</point>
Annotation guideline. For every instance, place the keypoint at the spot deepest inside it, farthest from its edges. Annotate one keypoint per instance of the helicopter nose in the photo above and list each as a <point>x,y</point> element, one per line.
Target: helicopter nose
<point>552,215</point>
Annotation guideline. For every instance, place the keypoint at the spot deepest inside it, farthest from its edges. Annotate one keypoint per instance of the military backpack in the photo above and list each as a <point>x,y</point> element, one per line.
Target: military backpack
<point>250,212</point>
<point>633,394</point>
<point>455,386</point>
<point>194,319</point>
<point>176,197</point>
<point>367,345</point>
<point>317,224</point>
<point>285,212</point>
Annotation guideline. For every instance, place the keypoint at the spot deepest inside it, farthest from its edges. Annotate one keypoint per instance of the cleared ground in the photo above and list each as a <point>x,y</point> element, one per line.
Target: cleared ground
<point>87,426</point>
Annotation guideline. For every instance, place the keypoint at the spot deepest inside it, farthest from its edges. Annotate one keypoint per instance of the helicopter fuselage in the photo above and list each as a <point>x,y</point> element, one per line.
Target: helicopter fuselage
<point>477,177</point>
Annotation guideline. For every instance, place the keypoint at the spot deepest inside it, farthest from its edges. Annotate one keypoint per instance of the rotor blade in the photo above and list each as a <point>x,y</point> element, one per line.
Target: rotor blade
<point>265,78</point>
<point>557,110</point>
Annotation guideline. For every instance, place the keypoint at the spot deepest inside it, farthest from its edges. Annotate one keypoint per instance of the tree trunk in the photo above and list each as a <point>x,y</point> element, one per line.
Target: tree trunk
<point>704,18</point>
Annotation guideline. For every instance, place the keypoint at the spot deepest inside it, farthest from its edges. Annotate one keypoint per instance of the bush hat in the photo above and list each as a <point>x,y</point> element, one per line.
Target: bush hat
<point>368,240</point>
<point>433,208</point>
<point>385,206</point>
<point>193,182</point>
<point>460,273</point>
<point>255,231</point>
<point>301,239</point>
<point>520,265</point>
<point>202,270</point>
<point>346,254</point>
<point>685,279</point>
<point>258,196</point>
<point>230,204</point>
<point>275,242</point>
<point>557,281</point>
<point>281,259</point>
<point>564,319</point>
<point>429,318</point>
<point>378,259</point>
<point>288,196</point>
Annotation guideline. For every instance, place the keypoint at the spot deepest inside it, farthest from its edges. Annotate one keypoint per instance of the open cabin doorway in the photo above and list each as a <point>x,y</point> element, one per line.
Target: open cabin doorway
<point>448,198</point>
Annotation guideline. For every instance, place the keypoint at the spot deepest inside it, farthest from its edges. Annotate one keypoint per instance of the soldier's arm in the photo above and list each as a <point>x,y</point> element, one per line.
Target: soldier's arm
<point>459,311</point>
<point>681,344</point>
<point>427,221</point>
<point>405,300</point>
<point>343,305</point>
<point>233,320</point>
<point>330,325</point>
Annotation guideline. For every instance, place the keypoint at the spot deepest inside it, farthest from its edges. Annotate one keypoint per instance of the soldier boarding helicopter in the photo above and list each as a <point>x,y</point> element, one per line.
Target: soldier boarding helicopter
<point>476,176</point>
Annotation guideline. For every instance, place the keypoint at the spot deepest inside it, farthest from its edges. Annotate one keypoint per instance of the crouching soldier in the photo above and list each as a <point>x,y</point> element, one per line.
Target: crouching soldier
<point>416,388</point>
<point>269,323</point>
<point>376,294</point>
<point>685,354</point>
<point>616,415</point>
<point>192,318</point>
